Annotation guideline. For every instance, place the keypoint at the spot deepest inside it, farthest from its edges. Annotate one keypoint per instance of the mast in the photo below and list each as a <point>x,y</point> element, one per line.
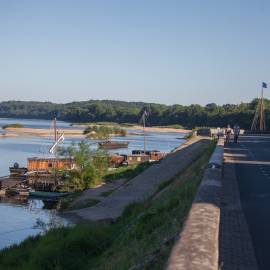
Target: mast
<point>55,131</point>
<point>259,114</point>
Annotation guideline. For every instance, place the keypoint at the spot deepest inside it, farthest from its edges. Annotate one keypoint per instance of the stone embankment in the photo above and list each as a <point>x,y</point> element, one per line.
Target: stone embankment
<point>198,245</point>
<point>144,185</point>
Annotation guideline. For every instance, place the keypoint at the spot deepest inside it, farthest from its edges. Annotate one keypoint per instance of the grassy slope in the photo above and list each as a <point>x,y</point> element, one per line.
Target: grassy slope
<point>127,172</point>
<point>143,236</point>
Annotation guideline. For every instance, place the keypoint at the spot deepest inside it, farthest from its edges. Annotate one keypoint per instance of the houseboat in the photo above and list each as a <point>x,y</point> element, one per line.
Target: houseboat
<point>43,172</point>
<point>50,163</point>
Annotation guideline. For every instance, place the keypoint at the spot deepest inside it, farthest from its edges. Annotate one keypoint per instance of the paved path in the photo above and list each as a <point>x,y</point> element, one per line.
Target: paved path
<point>144,185</point>
<point>251,160</point>
<point>97,193</point>
<point>236,248</point>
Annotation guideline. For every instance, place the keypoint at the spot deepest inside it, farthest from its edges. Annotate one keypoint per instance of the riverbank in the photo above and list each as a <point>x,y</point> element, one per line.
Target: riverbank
<point>141,239</point>
<point>77,133</point>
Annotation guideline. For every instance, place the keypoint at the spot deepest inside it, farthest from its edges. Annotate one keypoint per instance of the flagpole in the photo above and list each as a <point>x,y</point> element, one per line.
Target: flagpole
<point>259,114</point>
<point>262,120</point>
<point>144,142</point>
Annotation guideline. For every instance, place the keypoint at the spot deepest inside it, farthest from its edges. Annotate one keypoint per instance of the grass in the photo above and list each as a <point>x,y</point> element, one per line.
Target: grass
<point>15,125</point>
<point>127,172</point>
<point>142,238</point>
<point>124,172</point>
<point>176,126</point>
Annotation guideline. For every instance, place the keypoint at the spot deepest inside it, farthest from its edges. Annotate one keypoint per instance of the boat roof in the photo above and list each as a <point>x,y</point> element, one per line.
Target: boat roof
<point>51,158</point>
<point>138,155</point>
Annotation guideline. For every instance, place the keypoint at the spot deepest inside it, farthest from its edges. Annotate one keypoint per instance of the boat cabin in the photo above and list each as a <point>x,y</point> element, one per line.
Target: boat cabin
<point>50,163</point>
<point>154,154</point>
<point>136,159</point>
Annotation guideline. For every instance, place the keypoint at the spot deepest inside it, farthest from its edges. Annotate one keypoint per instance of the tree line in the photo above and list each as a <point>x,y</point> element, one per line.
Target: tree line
<point>211,115</point>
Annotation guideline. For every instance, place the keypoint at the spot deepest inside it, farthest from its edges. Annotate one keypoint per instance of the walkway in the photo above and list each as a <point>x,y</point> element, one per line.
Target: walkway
<point>243,232</point>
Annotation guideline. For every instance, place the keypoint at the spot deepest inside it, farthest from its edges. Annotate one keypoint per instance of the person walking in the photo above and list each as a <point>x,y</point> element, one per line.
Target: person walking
<point>228,132</point>
<point>236,132</point>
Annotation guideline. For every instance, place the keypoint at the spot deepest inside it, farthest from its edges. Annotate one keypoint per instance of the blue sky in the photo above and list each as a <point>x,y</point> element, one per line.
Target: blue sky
<point>145,50</point>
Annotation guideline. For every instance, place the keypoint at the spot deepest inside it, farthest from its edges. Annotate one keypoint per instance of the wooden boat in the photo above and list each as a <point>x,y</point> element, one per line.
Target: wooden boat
<point>48,195</point>
<point>17,171</point>
<point>113,145</point>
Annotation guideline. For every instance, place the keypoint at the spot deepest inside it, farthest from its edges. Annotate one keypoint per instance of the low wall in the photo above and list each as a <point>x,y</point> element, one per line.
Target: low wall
<point>197,247</point>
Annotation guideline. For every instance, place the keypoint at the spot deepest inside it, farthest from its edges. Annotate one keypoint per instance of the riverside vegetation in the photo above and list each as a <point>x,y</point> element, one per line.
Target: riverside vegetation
<point>91,166</point>
<point>211,115</point>
<point>142,238</point>
<point>15,125</point>
<point>104,132</point>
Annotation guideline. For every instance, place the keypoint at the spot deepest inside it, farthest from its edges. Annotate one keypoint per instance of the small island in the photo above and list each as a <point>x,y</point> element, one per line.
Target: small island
<point>15,125</point>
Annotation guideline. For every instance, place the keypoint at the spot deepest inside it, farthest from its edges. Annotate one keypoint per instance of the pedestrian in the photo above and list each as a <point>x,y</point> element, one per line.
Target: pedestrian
<point>236,132</point>
<point>228,132</point>
<point>218,132</point>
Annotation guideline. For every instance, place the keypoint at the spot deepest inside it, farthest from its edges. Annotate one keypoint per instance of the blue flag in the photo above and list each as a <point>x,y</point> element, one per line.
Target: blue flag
<point>264,85</point>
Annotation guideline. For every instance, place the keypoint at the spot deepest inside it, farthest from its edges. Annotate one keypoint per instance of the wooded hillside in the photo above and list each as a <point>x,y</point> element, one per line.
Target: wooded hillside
<point>130,112</point>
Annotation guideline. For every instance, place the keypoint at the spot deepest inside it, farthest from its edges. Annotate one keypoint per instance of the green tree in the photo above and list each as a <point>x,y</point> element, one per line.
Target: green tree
<point>90,165</point>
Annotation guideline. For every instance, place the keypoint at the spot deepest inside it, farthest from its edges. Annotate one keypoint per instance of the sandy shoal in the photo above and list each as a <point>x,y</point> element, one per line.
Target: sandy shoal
<point>40,132</point>
<point>74,133</point>
<point>160,129</point>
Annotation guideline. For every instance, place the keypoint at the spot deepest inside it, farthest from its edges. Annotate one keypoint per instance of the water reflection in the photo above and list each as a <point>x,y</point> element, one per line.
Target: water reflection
<point>21,218</point>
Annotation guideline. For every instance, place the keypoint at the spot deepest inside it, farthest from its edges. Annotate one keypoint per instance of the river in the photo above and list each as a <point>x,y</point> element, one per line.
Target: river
<point>18,219</point>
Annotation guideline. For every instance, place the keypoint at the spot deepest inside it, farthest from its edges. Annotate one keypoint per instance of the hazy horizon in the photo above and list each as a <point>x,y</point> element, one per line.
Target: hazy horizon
<point>168,52</point>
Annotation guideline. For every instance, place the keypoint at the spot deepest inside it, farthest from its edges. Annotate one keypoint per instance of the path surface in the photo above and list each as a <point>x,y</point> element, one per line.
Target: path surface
<point>144,185</point>
<point>250,161</point>
<point>98,192</point>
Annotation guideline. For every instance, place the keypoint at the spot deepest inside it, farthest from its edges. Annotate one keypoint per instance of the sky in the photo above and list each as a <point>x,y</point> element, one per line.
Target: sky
<point>171,52</point>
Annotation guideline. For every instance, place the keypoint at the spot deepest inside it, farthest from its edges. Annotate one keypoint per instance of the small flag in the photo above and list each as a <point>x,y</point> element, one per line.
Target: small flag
<point>264,85</point>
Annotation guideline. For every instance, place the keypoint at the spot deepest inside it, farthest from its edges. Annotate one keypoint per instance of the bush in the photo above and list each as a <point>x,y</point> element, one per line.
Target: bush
<point>90,166</point>
<point>16,125</point>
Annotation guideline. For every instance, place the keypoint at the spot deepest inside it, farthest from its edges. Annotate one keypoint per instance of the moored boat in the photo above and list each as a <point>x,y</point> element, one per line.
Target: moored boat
<point>48,195</point>
<point>113,145</point>
<point>17,171</point>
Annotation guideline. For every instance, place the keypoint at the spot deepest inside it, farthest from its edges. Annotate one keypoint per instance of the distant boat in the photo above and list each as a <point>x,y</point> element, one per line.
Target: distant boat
<point>113,145</point>
<point>47,195</point>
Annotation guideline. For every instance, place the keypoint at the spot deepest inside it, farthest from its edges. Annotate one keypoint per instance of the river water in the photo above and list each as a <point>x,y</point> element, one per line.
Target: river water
<point>18,219</point>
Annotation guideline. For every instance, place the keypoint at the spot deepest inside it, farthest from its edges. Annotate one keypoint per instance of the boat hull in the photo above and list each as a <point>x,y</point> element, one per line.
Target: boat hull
<point>113,145</point>
<point>47,195</point>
